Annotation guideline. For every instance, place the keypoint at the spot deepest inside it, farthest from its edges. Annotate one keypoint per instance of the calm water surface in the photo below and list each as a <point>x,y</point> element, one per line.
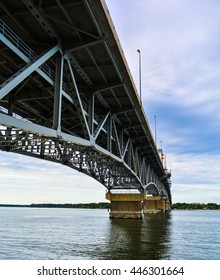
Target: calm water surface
<point>36,233</point>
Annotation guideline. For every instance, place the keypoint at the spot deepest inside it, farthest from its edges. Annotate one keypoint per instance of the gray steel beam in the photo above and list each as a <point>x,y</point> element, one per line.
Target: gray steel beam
<point>24,57</point>
<point>100,125</point>
<point>126,148</point>
<point>20,48</point>
<point>76,29</point>
<point>117,138</point>
<point>104,87</point>
<point>68,49</point>
<point>87,4</point>
<point>91,112</point>
<point>109,134</point>
<point>22,74</point>
<point>117,111</point>
<point>58,93</point>
<point>96,65</point>
<point>9,121</point>
<point>132,126</point>
<point>78,103</point>
<point>13,18</point>
<point>40,17</point>
<point>102,100</point>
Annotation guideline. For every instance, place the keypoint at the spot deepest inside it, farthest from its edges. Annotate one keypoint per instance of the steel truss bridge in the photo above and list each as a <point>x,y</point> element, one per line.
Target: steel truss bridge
<point>67,94</point>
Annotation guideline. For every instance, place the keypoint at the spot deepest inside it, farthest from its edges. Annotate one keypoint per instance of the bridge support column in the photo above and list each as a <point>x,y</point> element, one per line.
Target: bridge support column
<point>151,204</point>
<point>154,204</point>
<point>162,203</point>
<point>125,205</point>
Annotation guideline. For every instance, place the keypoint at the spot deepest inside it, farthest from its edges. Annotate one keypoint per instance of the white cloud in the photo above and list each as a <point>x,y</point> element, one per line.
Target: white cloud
<point>195,177</point>
<point>192,193</point>
<point>196,168</point>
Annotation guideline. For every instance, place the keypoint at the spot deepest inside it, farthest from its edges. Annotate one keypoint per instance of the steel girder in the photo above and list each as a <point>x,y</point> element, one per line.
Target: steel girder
<point>101,148</point>
<point>110,170</point>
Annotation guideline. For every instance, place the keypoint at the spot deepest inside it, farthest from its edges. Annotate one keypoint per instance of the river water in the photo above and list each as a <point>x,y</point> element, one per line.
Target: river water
<point>54,234</point>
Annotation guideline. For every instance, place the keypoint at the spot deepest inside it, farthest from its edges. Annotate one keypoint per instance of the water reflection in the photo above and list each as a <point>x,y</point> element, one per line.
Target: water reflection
<point>148,238</point>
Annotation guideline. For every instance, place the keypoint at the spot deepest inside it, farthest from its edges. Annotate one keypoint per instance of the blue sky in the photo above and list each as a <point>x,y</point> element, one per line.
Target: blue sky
<point>179,43</point>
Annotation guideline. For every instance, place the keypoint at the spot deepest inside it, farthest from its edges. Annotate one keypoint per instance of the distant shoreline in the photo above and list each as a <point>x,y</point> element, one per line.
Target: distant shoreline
<point>100,205</point>
<point>106,205</point>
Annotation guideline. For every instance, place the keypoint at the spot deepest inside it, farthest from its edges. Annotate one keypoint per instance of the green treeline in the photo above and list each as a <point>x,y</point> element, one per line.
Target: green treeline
<point>196,206</point>
<point>93,205</point>
<point>106,205</point>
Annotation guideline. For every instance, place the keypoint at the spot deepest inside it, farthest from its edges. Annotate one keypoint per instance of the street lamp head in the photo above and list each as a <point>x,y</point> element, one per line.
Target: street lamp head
<point>138,50</point>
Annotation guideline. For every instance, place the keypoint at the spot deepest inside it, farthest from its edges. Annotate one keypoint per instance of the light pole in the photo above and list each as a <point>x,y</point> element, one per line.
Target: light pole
<point>140,74</point>
<point>155,131</point>
<point>162,154</point>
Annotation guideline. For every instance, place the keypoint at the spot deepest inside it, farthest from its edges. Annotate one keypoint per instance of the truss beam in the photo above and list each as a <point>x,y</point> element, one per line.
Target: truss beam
<point>26,71</point>
<point>86,111</point>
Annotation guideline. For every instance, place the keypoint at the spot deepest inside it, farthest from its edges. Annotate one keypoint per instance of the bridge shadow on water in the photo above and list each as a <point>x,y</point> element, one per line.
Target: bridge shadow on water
<point>144,239</point>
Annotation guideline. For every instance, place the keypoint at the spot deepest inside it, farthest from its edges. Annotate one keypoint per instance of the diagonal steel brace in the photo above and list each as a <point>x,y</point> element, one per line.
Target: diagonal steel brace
<point>26,71</point>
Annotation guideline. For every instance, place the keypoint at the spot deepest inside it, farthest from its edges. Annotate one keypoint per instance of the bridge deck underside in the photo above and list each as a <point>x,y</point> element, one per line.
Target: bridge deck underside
<point>80,86</point>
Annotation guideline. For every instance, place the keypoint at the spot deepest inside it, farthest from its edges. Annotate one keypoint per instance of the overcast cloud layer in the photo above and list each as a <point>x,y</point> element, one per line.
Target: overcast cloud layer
<point>179,43</point>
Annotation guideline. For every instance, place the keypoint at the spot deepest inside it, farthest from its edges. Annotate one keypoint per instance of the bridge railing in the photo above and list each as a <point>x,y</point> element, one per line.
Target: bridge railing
<point>14,39</point>
<point>9,34</point>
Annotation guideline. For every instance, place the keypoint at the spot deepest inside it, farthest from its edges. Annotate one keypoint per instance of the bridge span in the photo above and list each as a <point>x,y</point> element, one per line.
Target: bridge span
<point>67,95</point>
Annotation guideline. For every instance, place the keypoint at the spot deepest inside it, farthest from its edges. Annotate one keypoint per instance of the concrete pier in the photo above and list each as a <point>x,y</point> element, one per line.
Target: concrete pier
<point>124,205</point>
<point>154,204</point>
<point>151,204</point>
